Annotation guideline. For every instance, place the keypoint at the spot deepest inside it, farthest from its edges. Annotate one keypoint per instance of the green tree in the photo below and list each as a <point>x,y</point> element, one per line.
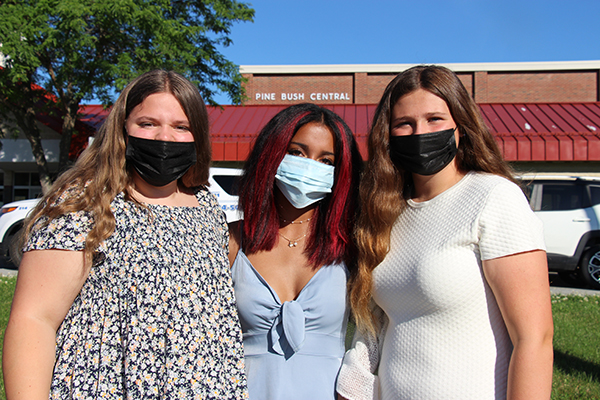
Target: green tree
<point>84,49</point>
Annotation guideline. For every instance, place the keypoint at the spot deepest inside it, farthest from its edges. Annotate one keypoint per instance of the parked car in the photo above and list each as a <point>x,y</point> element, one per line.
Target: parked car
<point>222,185</point>
<point>569,207</point>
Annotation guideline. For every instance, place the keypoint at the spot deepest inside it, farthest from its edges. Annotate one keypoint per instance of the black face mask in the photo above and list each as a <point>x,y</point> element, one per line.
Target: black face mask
<point>423,154</point>
<point>160,163</point>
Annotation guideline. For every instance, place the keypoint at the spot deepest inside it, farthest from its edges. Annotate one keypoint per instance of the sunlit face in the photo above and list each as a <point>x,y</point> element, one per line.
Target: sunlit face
<point>421,112</point>
<point>159,117</point>
<point>314,141</point>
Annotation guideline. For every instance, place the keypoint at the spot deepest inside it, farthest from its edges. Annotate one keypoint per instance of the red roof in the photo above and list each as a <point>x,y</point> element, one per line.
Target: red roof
<point>525,132</point>
<point>546,131</point>
<point>93,114</point>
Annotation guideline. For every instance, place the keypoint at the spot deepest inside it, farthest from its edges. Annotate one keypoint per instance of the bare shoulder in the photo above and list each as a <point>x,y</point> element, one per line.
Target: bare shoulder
<point>235,235</point>
<point>235,231</point>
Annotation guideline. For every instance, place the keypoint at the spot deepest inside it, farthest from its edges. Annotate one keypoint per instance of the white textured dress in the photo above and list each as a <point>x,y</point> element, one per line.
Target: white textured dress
<point>444,336</point>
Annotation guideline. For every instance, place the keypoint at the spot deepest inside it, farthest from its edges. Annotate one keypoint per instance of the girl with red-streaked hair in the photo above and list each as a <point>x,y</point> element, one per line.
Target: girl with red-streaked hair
<point>293,252</point>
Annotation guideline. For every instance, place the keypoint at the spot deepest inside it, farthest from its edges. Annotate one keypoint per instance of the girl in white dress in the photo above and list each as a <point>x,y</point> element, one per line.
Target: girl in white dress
<point>451,297</point>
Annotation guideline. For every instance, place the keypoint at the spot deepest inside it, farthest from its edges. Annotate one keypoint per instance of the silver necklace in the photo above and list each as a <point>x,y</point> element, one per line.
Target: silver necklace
<point>295,222</point>
<point>293,242</point>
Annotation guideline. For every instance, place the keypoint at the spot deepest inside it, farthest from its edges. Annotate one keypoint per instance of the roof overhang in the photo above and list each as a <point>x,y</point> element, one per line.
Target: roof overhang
<point>396,68</point>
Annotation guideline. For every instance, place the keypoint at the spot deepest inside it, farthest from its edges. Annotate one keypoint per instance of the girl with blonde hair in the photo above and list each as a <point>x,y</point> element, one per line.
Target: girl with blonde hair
<point>124,288</point>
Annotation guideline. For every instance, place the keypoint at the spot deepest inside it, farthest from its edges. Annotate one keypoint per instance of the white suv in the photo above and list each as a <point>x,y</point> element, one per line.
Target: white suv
<point>222,185</point>
<point>569,207</point>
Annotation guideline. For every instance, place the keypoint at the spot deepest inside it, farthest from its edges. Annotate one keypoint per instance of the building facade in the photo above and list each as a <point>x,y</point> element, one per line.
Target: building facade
<point>545,115</point>
<point>533,82</point>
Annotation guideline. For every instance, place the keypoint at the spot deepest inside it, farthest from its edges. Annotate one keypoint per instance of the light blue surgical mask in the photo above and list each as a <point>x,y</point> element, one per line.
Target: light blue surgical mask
<point>303,181</point>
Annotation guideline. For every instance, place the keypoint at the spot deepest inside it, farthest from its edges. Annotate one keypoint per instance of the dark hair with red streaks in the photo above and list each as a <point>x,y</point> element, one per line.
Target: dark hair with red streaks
<point>332,224</point>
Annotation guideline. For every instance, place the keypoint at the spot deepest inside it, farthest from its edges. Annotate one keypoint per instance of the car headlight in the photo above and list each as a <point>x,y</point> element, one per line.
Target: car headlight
<point>6,210</point>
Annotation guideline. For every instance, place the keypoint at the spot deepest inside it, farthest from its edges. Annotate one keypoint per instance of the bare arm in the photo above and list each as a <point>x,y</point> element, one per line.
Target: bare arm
<point>48,282</point>
<point>520,285</point>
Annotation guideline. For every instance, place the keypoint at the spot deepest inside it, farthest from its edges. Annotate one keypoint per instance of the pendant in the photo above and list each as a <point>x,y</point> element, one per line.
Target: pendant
<point>293,242</point>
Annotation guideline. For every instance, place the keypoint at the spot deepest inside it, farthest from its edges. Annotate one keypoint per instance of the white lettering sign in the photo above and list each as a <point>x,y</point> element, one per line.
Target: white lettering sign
<point>329,96</point>
<point>299,96</point>
<point>265,96</point>
<point>292,96</point>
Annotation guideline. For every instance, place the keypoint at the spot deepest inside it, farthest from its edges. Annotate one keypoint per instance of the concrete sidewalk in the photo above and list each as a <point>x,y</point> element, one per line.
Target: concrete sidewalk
<point>8,272</point>
<point>574,291</point>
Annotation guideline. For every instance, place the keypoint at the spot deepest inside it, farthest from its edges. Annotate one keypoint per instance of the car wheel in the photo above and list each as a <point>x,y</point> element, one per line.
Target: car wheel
<point>14,248</point>
<point>589,269</point>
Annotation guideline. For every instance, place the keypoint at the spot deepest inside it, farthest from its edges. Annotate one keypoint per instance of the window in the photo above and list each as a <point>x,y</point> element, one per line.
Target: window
<point>22,179</point>
<point>20,194</point>
<point>562,197</point>
<point>228,183</point>
<point>27,186</point>
<point>527,188</point>
<point>595,194</point>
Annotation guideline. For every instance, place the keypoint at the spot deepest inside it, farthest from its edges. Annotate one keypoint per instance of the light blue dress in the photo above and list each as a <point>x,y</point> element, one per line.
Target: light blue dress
<point>294,350</point>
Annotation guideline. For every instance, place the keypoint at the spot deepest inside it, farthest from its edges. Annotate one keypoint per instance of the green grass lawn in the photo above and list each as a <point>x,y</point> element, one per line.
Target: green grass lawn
<point>576,347</point>
<point>576,343</point>
<point>7,288</point>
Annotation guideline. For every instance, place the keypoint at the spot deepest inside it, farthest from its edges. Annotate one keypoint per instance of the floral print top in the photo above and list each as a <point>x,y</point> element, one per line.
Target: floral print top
<point>156,317</point>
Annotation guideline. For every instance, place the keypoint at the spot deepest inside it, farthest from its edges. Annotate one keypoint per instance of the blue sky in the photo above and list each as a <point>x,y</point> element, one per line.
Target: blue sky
<point>288,32</point>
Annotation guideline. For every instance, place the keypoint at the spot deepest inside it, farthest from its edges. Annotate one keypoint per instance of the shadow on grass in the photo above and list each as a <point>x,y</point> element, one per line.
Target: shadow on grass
<point>571,364</point>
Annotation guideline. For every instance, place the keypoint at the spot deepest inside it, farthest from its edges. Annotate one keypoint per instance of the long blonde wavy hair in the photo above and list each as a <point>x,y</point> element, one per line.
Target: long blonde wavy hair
<point>101,171</point>
<point>384,189</point>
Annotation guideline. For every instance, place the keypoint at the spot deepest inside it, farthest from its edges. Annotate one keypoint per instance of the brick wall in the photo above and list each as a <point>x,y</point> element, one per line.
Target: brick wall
<point>467,81</point>
<point>367,88</point>
<point>547,87</point>
<point>376,85</point>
